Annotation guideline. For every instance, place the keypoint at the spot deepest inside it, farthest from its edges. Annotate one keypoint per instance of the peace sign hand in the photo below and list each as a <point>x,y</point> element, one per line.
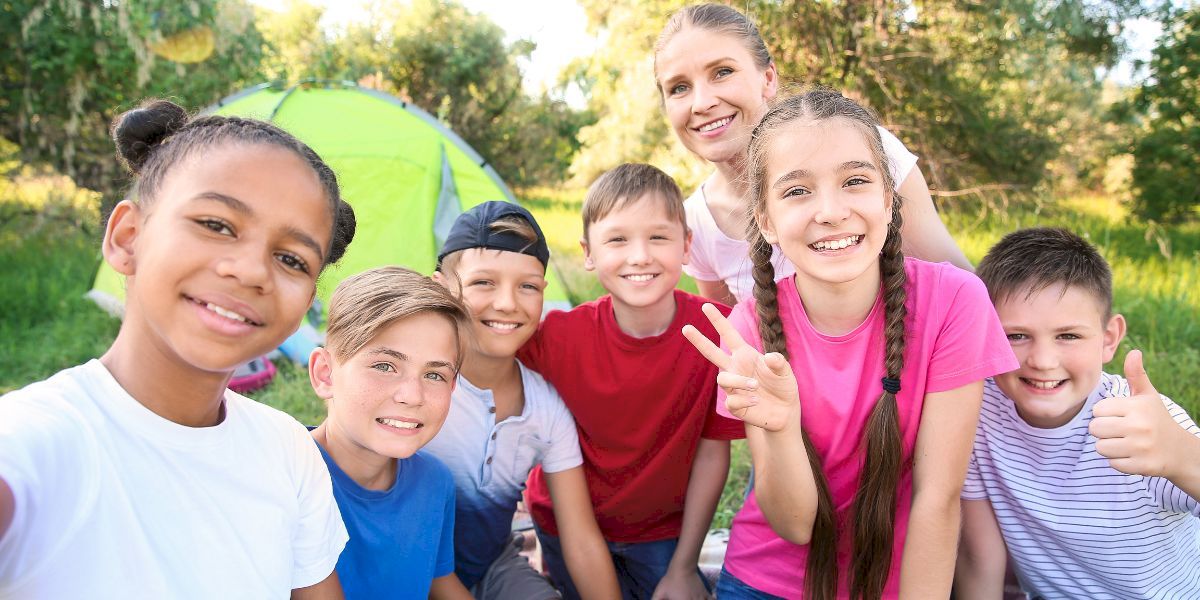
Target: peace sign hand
<point>761,389</point>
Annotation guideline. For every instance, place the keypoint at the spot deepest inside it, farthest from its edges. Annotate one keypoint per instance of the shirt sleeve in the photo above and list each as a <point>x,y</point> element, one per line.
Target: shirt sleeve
<point>319,534</point>
<point>973,486</point>
<point>47,459</point>
<point>445,557</point>
<point>971,345</point>
<point>1166,493</point>
<point>564,451</point>
<point>700,264</point>
<point>900,160</point>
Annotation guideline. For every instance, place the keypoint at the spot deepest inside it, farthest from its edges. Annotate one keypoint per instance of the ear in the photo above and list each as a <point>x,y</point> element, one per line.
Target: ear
<point>687,245</point>
<point>124,225</point>
<point>438,277</point>
<point>588,263</point>
<point>1114,332</point>
<point>320,372</point>
<point>770,82</point>
<point>768,230</point>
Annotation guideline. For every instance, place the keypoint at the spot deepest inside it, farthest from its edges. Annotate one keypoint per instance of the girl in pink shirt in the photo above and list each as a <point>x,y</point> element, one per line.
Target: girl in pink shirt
<point>856,495</point>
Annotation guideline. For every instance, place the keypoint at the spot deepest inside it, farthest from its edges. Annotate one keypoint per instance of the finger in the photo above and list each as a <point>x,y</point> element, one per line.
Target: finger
<point>729,336</point>
<point>733,383</point>
<point>1129,466</point>
<point>1107,427</point>
<point>709,350</point>
<point>1135,373</point>
<point>777,365</point>
<point>1113,448</point>
<point>737,404</point>
<point>1111,407</point>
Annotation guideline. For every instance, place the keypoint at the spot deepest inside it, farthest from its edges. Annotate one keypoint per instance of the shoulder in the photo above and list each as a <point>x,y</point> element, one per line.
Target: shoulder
<point>539,393</point>
<point>430,471</point>
<point>693,304</point>
<point>945,285</point>
<point>64,405</point>
<point>582,314</point>
<point>263,418</point>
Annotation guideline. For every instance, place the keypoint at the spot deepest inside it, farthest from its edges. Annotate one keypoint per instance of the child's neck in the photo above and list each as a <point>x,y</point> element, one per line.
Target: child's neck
<point>837,309</point>
<point>169,389</point>
<point>647,321</point>
<point>489,372</point>
<point>368,469</point>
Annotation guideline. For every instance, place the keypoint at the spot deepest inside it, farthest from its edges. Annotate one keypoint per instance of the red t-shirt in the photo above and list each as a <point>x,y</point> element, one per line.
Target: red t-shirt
<point>641,406</point>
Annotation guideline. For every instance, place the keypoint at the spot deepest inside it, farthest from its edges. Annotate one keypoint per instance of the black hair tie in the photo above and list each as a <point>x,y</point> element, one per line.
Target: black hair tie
<point>890,385</point>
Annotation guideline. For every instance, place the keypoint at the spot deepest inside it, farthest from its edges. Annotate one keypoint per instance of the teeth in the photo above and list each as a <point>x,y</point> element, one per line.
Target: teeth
<point>499,325</point>
<point>224,312</point>
<point>399,424</point>
<point>1044,385</point>
<point>639,278</point>
<point>716,124</point>
<point>837,244</point>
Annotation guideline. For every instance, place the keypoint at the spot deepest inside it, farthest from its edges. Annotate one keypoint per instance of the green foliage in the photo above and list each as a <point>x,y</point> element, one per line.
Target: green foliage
<point>1166,165</point>
<point>999,93</point>
<point>74,65</point>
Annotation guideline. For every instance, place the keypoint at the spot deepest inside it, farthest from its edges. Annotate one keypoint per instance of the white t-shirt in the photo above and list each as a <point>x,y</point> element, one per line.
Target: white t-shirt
<point>718,257</point>
<point>1075,527</point>
<point>114,501</point>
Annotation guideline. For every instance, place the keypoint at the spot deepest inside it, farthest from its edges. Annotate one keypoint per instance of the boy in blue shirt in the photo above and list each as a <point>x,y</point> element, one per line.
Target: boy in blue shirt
<point>505,419</point>
<point>387,371</point>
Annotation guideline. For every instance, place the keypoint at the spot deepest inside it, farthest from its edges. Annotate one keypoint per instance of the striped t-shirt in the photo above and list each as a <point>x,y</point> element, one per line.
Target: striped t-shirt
<point>1074,526</point>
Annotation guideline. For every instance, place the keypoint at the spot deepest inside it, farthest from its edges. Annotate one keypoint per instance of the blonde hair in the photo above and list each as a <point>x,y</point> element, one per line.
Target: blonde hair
<point>620,187</point>
<point>367,303</point>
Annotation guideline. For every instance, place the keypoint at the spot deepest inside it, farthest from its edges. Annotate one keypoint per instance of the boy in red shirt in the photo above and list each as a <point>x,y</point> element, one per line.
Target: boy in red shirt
<point>655,452</point>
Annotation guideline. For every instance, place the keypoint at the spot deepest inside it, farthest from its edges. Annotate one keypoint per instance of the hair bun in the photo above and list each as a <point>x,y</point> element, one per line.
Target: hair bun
<point>344,226</point>
<point>138,131</point>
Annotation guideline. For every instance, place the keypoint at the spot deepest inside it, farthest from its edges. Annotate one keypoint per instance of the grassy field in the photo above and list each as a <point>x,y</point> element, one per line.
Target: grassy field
<point>49,249</point>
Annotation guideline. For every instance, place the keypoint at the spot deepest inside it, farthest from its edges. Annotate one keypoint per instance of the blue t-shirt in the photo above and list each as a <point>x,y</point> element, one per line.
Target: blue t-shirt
<point>490,462</point>
<point>401,538</point>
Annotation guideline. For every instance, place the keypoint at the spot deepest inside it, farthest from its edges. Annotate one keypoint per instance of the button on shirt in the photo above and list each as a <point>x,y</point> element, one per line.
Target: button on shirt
<point>490,462</point>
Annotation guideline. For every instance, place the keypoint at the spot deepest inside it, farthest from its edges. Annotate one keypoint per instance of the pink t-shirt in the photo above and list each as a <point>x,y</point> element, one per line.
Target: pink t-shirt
<point>953,338</point>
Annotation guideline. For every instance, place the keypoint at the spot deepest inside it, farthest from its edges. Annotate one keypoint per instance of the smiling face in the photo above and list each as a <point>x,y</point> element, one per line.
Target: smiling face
<point>713,92</point>
<point>825,202</point>
<point>391,397</point>
<point>223,261</point>
<point>638,252</point>
<point>504,291</point>
<point>1062,341</point>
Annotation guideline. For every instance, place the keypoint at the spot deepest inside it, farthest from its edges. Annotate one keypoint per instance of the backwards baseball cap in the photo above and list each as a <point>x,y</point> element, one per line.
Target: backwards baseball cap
<point>472,229</point>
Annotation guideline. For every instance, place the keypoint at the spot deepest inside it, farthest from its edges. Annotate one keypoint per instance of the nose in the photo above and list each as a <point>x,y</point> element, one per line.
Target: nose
<point>831,210</point>
<point>249,265</point>
<point>1041,356</point>
<point>504,300</point>
<point>639,253</point>
<point>703,98</point>
<point>409,391</point>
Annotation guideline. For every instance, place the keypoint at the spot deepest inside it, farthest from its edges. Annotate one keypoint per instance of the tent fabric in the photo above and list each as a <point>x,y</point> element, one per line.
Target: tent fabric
<point>406,175</point>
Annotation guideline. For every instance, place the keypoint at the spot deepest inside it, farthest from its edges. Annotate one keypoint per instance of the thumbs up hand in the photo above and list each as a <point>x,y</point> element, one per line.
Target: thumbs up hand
<point>1136,433</point>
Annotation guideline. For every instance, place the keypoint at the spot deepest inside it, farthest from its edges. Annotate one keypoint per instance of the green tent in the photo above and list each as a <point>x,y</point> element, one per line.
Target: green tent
<point>406,175</point>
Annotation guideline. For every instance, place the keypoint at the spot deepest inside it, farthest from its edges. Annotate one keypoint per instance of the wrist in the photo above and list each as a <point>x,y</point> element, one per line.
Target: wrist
<point>1183,464</point>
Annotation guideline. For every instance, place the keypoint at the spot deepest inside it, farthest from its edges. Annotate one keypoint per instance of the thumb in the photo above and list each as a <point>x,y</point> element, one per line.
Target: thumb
<point>778,365</point>
<point>1135,373</point>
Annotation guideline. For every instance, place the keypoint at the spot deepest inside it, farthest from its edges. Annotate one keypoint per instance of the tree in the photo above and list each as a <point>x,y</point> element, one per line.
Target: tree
<point>1166,171</point>
<point>76,64</point>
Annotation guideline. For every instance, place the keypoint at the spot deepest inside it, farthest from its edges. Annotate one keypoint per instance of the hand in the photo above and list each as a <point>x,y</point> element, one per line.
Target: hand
<point>760,389</point>
<point>681,584</point>
<point>1137,433</point>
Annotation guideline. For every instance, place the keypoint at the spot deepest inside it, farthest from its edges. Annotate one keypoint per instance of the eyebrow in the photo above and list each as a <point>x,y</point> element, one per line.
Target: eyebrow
<point>404,357</point>
<point>849,165</point>
<point>246,210</point>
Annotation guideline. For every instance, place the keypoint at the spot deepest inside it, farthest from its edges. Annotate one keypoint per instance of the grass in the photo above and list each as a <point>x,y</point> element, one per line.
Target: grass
<point>49,240</point>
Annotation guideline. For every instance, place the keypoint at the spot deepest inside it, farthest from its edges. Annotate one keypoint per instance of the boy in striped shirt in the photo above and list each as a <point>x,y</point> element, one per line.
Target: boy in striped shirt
<point>1090,480</point>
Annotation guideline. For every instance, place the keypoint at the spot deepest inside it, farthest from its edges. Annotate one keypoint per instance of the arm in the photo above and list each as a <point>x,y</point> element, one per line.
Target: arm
<point>944,439</point>
<point>924,234</point>
<point>784,486</point>
<point>583,547</point>
<point>716,290</point>
<point>448,587</point>
<point>328,589</point>
<point>709,471</point>
<point>982,555</point>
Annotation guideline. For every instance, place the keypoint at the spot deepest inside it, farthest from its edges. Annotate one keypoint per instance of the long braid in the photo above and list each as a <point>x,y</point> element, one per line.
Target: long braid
<point>875,503</point>
<point>821,570</point>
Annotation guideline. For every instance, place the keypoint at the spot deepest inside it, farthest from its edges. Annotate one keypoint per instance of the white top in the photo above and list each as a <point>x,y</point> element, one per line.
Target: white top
<point>1075,527</point>
<point>718,257</point>
<point>114,501</point>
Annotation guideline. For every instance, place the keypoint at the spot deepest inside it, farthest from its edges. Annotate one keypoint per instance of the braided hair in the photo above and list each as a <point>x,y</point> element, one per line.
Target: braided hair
<point>154,137</point>
<point>874,507</point>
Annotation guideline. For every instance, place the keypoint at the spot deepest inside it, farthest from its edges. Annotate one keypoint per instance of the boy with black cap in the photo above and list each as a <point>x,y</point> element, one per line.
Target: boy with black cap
<point>505,419</point>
